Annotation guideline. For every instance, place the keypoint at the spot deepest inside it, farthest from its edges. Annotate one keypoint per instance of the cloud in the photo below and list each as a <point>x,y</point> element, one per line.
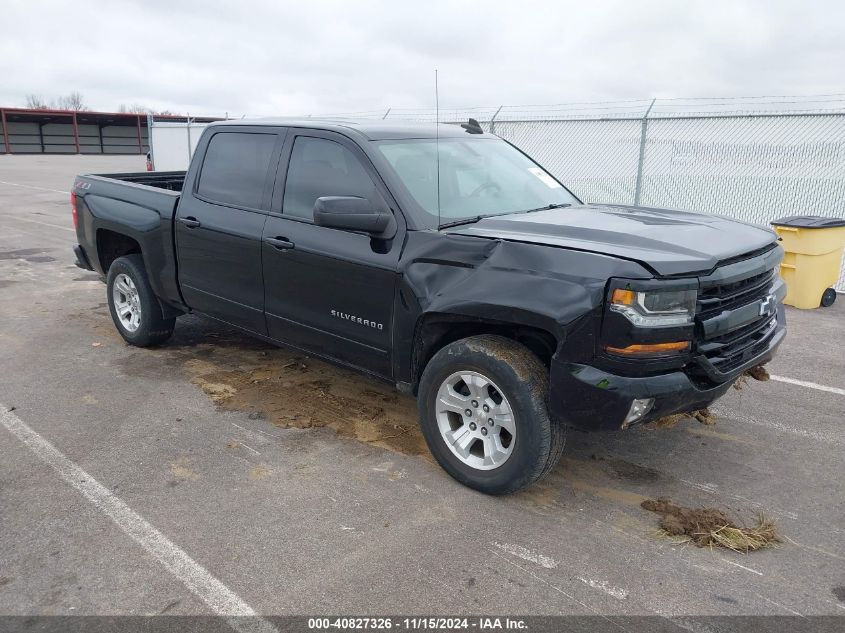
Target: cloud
<point>269,57</point>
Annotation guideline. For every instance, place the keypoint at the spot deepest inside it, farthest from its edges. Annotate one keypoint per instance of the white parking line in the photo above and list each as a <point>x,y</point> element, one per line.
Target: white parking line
<point>777,604</point>
<point>824,437</point>
<point>753,571</point>
<point>222,600</point>
<point>556,588</point>
<point>809,385</point>
<point>526,554</point>
<point>55,226</point>
<point>603,585</point>
<point>15,184</point>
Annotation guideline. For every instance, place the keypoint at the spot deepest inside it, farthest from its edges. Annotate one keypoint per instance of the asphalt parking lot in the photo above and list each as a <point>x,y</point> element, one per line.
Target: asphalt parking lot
<point>302,489</point>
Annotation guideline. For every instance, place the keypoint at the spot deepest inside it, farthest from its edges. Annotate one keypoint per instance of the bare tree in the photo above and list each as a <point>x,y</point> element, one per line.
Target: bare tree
<point>74,101</point>
<point>135,108</point>
<point>36,102</point>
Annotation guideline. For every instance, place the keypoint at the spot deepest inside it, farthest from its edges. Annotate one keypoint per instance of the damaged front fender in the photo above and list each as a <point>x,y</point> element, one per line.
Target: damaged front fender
<point>479,285</point>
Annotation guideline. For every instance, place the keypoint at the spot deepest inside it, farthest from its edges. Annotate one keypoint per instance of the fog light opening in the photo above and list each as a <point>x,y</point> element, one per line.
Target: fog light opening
<point>639,408</point>
<point>650,349</point>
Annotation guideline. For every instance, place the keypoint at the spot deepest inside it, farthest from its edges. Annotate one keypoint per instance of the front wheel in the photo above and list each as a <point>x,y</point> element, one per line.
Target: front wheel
<point>483,412</point>
<point>133,306</point>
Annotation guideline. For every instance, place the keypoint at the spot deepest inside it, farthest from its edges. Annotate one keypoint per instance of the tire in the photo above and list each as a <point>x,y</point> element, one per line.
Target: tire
<point>516,381</point>
<point>828,297</point>
<point>129,294</point>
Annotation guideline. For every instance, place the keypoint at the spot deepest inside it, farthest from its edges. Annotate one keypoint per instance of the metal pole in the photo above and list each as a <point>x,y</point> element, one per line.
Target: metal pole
<point>150,125</point>
<point>138,130</point>
<point>75,133</point>
<point>41,137</point>
<point>639,186</point>
<point>493,120</point>
<point>386,113</point>
<point>5,131</point>
<point>188,127</point>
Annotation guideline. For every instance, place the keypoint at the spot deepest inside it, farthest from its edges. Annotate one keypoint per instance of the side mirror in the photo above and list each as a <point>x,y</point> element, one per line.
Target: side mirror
<point>350,213</point>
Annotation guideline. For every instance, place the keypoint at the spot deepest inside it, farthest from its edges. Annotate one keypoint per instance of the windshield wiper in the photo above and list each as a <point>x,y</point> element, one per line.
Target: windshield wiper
<point>554,205</point>
<point>469,220</point>
<point>475,218</point>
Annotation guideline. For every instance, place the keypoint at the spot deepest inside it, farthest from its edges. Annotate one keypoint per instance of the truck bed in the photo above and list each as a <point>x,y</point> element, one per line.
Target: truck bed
<point>140,207</point>
<point>170,180</point>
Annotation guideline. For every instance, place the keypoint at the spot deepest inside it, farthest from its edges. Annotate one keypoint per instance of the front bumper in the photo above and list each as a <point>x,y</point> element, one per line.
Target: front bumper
<point>594,400</point>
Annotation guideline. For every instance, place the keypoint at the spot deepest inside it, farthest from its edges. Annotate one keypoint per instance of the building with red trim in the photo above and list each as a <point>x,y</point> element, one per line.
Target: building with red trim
<point>25,131</point>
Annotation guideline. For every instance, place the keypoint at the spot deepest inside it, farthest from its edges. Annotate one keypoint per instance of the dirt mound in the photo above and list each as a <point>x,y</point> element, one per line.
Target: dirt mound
<point>295,391</point>
<point>711,526</point>
<point>666,422</point>
<point>704,416</point>
<point>759,373</point>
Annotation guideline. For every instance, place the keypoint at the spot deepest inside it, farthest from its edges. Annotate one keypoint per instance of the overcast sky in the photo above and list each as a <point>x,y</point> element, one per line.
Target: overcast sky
<point>274,57</point>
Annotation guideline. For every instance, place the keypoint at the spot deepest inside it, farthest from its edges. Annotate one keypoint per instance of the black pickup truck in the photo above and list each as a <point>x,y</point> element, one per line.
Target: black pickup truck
<point>446,261</point>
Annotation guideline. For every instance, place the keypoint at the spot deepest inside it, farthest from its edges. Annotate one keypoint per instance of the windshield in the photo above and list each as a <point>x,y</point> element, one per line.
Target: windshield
<point>478,177</point>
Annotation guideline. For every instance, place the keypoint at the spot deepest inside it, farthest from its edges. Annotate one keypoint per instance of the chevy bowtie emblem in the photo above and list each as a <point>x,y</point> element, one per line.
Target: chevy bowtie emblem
<point>767,305</point>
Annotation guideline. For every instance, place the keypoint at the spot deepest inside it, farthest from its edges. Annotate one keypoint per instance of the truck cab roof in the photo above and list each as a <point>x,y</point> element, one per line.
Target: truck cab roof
<point>369,129</point>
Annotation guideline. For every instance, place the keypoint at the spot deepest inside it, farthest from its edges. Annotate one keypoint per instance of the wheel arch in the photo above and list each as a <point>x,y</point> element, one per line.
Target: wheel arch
<point>113,244</point>
<point>434,331</point>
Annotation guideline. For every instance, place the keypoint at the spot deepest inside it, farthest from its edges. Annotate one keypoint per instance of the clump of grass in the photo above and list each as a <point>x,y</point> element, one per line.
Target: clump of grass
<point>747,539</point>
<point>710,526</point>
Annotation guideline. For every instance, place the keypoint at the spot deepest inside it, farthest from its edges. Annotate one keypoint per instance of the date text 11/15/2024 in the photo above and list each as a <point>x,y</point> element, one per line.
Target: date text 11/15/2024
<point>417,623</point>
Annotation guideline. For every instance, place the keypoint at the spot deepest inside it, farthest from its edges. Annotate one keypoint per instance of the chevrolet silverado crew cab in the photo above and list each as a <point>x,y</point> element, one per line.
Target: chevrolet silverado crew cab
<point>449,263</point>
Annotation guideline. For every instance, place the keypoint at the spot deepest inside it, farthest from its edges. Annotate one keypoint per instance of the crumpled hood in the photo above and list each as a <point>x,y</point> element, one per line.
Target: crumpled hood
<point>668,241</point>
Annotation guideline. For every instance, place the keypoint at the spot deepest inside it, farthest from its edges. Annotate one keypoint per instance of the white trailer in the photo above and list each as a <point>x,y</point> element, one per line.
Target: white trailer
<point>172,143</point>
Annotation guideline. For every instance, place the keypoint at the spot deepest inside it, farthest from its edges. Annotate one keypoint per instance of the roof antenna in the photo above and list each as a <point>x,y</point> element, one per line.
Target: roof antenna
<point>437,141</point>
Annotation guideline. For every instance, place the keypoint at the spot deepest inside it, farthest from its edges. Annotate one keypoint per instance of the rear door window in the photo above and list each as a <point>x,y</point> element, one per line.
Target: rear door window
<point>235,168</point>
<point>319,167</point>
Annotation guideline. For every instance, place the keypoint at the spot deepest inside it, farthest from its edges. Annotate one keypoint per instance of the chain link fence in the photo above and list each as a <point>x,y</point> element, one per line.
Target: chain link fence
<point>753,159</point>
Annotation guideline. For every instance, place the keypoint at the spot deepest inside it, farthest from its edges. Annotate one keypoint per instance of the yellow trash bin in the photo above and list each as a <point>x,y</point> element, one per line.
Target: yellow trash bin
<point>813,258</point>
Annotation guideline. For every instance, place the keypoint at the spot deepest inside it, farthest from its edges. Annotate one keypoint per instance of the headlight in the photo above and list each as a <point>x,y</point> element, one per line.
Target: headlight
<point>655,308</point>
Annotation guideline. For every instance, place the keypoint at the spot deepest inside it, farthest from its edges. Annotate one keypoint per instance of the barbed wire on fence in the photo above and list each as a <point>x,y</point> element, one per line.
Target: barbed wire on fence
<point>631,108</point>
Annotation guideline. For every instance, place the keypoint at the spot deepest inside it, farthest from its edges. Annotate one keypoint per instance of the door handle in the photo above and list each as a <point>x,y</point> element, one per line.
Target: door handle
<point>191,222</point>
<point>279,243</point>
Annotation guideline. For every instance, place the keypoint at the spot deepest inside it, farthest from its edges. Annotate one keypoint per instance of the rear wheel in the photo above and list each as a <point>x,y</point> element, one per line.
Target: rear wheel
<point>482,405</point>
<point>133,306</point>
